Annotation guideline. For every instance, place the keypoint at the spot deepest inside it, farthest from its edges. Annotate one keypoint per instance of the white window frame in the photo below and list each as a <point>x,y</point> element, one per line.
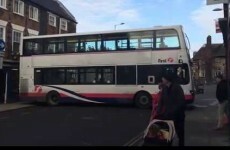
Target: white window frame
<point>3,4</point>
<point>3,33</point>
<point>33,13</point>
<point>54,22</point>
<point>19,41</point>
<point>65,25</point>
<point>20,7</point>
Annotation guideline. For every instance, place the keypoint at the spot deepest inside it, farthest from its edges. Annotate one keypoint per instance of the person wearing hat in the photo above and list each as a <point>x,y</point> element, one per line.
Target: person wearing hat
<point>172,105</point>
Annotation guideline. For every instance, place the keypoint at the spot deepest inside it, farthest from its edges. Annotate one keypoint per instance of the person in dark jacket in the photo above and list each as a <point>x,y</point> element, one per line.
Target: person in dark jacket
<point>172,105</point>
<point>222,96</point>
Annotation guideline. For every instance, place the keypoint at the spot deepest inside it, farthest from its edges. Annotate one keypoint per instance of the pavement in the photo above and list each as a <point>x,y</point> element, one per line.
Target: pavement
<point>199,124</point>
<point>14,106</point>
<point>202,134</point>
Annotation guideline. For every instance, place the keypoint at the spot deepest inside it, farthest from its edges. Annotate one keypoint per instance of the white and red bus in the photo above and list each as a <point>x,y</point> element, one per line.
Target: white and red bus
<point>104,67</point>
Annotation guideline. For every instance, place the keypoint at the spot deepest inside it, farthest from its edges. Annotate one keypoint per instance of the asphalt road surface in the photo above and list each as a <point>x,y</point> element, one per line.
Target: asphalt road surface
<point>93,125</point>
<point>72,125</point>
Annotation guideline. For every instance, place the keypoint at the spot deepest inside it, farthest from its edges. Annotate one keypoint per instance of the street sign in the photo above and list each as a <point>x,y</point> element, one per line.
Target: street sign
<point>2,45</point>
<point>218,30</point>
<point>213,2</point>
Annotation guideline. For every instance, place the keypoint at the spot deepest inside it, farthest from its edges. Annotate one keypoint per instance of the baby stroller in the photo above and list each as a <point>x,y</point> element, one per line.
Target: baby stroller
<point>159,133</point>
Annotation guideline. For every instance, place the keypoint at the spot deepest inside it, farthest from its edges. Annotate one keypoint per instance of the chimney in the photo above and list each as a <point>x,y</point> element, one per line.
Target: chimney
<point>209,41</point>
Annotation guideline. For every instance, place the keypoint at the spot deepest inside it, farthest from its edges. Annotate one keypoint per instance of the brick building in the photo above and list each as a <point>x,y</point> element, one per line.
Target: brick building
<point>209,61</point>
<point>20,18</point>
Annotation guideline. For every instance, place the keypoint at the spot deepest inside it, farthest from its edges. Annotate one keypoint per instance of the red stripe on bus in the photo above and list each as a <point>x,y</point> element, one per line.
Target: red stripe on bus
<point>128,96</point>
<point>85,95</point>
<point>38,95</point>
<point>189,97</point>
<point>33,94</point>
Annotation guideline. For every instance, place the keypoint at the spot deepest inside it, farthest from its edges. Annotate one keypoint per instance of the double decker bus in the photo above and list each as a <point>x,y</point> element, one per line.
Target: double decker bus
<point>117,67</point>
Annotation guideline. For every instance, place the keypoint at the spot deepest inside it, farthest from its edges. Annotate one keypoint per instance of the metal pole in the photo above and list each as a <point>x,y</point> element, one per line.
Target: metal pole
<point>226,15</point>
<point>6,87</point>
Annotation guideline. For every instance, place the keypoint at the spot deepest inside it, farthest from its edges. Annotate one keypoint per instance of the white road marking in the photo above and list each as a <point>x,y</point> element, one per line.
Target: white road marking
<point>200,106</point>
<point>214,103</point>
<point>136,139</point>
<point>208,99</point>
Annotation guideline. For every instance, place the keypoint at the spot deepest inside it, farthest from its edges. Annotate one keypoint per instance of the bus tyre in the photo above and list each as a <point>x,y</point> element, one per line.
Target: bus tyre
<point>143,100</point>
<point>53,98</point>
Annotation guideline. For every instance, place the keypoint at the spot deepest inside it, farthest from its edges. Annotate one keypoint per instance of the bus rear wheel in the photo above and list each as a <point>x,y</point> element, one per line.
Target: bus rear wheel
<point>143,100</point>
<point>53,98</point>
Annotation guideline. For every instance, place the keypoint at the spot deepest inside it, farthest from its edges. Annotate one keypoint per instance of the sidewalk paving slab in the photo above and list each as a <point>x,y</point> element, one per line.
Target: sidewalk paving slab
<point>14,106</point>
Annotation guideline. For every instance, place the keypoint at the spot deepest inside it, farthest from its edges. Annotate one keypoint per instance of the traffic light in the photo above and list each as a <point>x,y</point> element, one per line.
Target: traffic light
<point>223,26</point>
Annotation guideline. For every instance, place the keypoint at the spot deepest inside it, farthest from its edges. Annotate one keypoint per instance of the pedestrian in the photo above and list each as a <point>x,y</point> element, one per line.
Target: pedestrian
<point>172,105</point>
<point>155,102</point>
<point>222,96</point>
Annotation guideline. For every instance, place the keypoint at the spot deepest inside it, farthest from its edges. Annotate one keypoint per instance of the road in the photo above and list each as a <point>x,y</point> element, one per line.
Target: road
<point>91,125</point>
<point>207,99</point>
<point>201,121</point>
<point>72,125</point>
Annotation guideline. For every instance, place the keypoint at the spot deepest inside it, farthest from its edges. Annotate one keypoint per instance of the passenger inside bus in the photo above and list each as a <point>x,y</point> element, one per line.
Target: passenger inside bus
<point>180,75</point>
<point>91,48</point>
<point>163,45</point>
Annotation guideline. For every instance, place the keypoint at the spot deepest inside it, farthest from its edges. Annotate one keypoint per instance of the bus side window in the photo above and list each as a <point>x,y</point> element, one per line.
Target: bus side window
<point>182,75</point>
<point>72,81</point>
<point>60,48</point>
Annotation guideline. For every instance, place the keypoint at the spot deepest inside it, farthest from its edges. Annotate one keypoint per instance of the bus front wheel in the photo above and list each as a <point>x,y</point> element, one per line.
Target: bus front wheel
<point>52,98</point>
<point>143,100</point>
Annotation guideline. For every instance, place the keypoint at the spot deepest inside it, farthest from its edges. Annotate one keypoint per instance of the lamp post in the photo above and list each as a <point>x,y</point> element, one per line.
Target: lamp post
<point>227,47</point>
<point>226,15</point>
<point>115,26</point>
<point>225,32</point>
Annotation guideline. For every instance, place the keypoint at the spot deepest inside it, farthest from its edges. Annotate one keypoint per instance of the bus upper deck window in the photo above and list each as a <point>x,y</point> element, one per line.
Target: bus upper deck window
<point>167,39</point>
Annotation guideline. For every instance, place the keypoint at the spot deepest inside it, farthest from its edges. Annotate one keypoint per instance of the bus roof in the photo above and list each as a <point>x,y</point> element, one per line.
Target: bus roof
<point>102,32</point>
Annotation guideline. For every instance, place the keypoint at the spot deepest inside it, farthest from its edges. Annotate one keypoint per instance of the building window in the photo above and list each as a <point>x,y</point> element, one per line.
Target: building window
<point>3,3</point>
<point>19,7</point>
<point>63,24</point>
<point>16,41</point>
<point>52,20</point>
<point>33,13</point>
<point>2,33</point>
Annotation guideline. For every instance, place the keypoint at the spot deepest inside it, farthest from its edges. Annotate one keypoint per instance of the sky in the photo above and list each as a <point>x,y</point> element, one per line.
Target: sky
<point>197,18</point>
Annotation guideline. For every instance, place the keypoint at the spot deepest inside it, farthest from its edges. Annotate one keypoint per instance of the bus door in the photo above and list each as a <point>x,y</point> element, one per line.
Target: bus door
<point>26,74</point>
